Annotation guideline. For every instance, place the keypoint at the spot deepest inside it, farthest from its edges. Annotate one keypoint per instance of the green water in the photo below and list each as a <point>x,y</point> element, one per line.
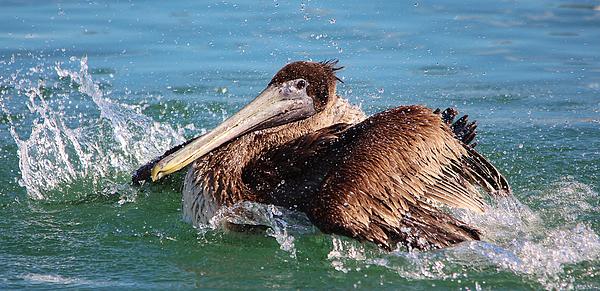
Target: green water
<point>90,91</point>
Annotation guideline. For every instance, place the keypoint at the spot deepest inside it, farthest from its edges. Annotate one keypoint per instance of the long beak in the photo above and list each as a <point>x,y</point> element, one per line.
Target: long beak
<point>276,105</point>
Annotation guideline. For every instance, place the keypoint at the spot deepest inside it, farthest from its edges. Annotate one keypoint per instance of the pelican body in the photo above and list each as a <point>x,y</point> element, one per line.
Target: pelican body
<point>383,179</point>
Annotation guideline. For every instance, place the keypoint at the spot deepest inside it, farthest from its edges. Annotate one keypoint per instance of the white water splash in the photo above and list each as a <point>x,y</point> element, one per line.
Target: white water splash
<point>516,240</point>
<point>139,137</point>
<point>58,160</point>
<point>343,250</point>
<point>278,220</point>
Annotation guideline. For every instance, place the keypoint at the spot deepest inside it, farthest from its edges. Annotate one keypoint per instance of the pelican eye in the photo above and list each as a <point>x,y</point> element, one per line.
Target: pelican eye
<point>301,84</point>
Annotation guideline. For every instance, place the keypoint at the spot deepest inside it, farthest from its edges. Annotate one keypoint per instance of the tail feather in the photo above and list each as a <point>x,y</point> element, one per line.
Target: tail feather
<point>464,130</point>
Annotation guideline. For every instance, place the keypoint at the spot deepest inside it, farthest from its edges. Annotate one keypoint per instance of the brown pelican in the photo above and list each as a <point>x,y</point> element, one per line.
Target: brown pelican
<point>386,179</point>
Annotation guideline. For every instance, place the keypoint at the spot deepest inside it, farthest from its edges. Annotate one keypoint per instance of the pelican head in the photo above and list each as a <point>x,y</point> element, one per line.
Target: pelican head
<point>299,90</point>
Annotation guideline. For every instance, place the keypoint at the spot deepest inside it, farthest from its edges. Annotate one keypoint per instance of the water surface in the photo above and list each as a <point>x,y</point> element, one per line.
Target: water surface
<point>90,91</point>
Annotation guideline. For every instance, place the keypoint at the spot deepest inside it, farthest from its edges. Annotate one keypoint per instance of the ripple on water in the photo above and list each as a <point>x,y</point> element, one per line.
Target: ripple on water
<point>563,33</point>
<point>438,70</point>
<point>582,6</point>
<point>60,281</point>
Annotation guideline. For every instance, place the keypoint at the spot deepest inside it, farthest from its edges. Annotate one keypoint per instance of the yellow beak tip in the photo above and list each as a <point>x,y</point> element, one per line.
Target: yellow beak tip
<point>156,174</point>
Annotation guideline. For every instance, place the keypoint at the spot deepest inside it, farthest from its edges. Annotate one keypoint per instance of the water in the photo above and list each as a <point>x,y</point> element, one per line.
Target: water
<point>89,91</point>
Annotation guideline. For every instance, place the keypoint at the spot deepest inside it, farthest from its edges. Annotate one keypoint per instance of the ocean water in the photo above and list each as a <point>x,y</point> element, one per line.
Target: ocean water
<point>89,91</point>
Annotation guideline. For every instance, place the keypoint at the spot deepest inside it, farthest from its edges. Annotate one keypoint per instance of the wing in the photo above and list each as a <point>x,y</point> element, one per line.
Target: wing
<point>382,180</point>
<point>289,174</point>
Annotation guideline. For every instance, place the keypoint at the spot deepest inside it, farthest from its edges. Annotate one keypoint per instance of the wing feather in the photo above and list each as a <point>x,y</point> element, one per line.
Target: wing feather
<point>377,180</point>
<point>393,163</point>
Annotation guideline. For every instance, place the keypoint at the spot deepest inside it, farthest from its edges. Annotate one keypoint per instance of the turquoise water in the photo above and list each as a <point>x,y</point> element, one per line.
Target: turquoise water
<point>90,91</point>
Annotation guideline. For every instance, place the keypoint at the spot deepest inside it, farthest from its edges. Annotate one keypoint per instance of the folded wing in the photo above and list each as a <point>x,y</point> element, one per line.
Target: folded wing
<point>383,179</point>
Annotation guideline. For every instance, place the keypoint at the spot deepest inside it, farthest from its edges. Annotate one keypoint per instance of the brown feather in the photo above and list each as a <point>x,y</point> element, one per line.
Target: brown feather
<point>371,181</point>
<point>377,175</point>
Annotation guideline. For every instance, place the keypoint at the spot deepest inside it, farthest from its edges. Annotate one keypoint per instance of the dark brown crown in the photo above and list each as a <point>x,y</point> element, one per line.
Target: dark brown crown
<point>320,76</point>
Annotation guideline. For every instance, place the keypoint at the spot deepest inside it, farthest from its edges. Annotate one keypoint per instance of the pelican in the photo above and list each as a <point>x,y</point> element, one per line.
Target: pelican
<point>387,179</point>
